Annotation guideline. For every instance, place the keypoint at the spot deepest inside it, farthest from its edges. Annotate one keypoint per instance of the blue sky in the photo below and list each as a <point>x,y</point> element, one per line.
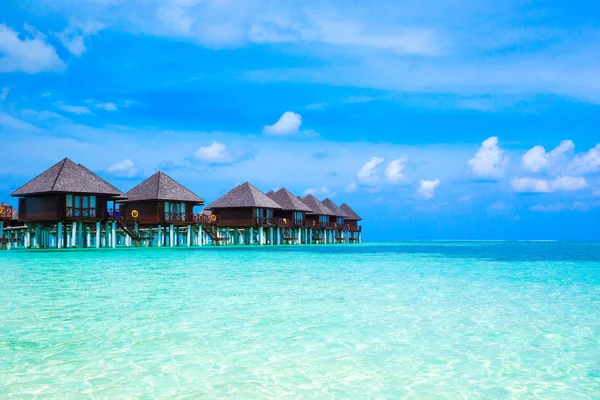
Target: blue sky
<point>446,119</point>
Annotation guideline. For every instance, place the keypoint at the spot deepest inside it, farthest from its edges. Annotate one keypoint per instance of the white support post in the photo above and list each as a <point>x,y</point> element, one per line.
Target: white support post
<point>200,236</point>
<point>88,239</point>
<point>159,236</point>
<point>114,234</point>
<point>98,234</point>
<point>251,238</point>
<point>189,236</point>
<point>59,235</point>
<point>171,234</point>
<point>74,234</point>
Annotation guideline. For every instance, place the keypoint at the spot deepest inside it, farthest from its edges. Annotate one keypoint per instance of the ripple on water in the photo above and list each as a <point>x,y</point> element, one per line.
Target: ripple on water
<point>410,320</point>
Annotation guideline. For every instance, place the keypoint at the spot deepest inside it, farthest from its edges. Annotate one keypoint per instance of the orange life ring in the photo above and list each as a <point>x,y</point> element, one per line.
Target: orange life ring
<point>285,221</point>
<point>135,214</point>
<point>1,209</point>
<point>213,217</point>
<point>314,223</point>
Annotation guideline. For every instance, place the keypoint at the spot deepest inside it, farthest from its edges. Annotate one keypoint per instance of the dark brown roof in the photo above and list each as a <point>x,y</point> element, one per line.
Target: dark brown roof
<point>244,195</point>
<point>288,201</point>
<point>333,207</point>
<point>352,216</point>
<point>316,206</point>
<point>67,177</point>
<point>160,186</point>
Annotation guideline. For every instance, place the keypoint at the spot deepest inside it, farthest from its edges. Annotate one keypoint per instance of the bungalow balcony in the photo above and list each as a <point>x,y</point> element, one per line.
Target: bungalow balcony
<point>6,211</point>
<point>84,213</point>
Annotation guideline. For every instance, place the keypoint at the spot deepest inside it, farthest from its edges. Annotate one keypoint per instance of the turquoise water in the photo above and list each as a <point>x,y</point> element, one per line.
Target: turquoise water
<point>407,320</point>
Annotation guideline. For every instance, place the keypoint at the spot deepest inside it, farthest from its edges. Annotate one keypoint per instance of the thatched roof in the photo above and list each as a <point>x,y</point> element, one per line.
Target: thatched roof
<point>316,206</point>
<point>244,195</point>
<point>67,177</point>
<point>352,216</point>
<point>161,187</point>
<point>288,201</point>
<point>333,207</point>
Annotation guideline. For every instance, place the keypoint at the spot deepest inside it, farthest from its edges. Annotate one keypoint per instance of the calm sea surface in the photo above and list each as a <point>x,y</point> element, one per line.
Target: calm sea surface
<point>446,320</point>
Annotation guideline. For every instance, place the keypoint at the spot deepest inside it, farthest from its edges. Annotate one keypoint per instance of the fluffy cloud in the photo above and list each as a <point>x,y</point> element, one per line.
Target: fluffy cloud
<point>537,159</point>
<point>367,175</point>
<point>31,55</point>
<point>73,38</point>
<point>4,93</point>
<point>587,163</point>
<point>287,124</point>
<point>80,110</point>
<point>216,153</point>
<point>559,184</point>
<point>123,169</point>
<point>427,189</point>
<point>320,191</point>
<point>393,172</point>
<point>489,161</point>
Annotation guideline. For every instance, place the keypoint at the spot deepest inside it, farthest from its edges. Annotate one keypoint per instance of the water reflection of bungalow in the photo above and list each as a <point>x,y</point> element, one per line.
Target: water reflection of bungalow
<point>292,216</point>
<point>159,210</point>
<point>246,215</point>
<point>66,206</point>
<point>351,222</point>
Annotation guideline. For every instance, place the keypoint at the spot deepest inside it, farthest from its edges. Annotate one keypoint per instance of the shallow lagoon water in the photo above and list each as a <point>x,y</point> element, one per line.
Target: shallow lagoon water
<point>391,320</point>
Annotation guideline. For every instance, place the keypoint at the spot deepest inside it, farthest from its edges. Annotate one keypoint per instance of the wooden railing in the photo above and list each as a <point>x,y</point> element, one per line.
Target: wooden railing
<point>179,217</point>
<point>83,212</point>
<point>204,219</point>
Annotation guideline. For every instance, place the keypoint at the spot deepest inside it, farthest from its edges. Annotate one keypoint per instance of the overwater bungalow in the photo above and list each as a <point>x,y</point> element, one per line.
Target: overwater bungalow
<point>66,206</point>
<point>246,215</point>
<point>159,210</point>
<point>318,220</point>
<point>351,222</point>
<point>337,220</point>
<point>70,206</point>
<point>291,216</point>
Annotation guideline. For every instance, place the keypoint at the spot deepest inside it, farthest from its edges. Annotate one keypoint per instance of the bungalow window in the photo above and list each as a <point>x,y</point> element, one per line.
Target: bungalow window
<point>298,216</point>
<point>323,219</point>
<point>174,211</point>
<point>340,221</point>
<point>260,212</point>
<point>81,206</point>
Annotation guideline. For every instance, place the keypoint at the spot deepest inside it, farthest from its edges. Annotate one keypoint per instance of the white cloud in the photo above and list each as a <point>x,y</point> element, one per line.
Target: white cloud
<point>287,124</point>
<point>489,161</point>
<point>367,175</point>
<point>107,106</point>
<point>351,188</point>
<point>73,37</point>
<point>596,193</point>
<point>537,159</point>
<point>587,163</point>
<point>80,110</point>
<point>427,189</point>
<point>559,184</point>
<point>393,172</point>
<point>215,153</point>
<point>321,191</point>
<point>124,169</point>
<point>31,55</point>
<point>4,93</point>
